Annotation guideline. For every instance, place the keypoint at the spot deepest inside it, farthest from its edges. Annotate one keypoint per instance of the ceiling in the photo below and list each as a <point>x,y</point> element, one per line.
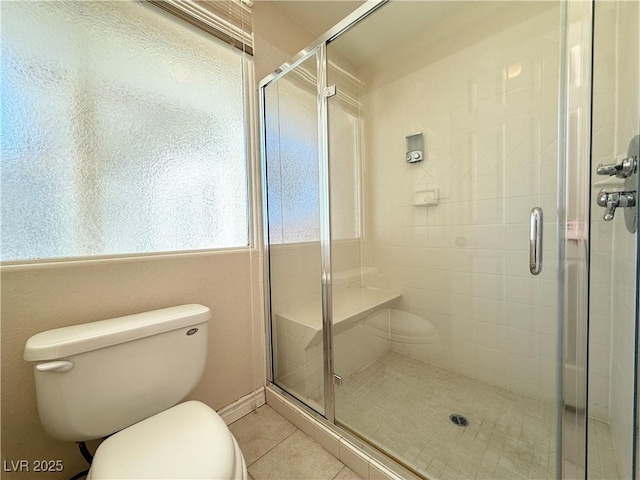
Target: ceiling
<point>411,33</point>
<point>317,16</point>
<point>397,26</point>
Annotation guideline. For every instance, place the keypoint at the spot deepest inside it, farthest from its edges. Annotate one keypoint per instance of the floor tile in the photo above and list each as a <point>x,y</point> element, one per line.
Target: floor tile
<point>402,406</point>
<point>347,474</point>
<point>297,457</point>
<point>259,432</point>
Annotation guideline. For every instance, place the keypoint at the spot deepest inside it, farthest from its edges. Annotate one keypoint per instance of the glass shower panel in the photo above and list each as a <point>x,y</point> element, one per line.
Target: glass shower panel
<point>445,342</point>
<point>291,141</point>
<point>353,341</point>
<point>613,277</point>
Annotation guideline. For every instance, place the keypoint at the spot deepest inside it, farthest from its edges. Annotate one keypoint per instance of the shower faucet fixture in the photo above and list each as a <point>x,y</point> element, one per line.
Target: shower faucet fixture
<point>629,164</point>
<point>612,200</point>
<point>628,170</point>
<point>621,170</point>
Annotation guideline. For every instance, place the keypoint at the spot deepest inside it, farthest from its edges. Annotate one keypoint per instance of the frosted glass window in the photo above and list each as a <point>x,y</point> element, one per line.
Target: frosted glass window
<point>123,131</point>
<point>291,129</point>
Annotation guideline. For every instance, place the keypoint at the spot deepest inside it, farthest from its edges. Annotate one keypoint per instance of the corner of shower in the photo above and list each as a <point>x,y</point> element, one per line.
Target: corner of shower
<point>402,314</point>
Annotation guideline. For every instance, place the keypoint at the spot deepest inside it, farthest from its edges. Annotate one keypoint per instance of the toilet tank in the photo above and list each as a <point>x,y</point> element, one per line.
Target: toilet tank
<point>97,378</point>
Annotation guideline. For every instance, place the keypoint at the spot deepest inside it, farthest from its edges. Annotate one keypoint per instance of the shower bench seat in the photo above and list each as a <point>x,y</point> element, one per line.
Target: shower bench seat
<point>349,307</point>
<point>298,342</point>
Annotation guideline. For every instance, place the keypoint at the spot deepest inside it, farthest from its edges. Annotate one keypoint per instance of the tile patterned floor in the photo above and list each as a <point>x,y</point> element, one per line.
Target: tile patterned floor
<point>403,405</point>
<point>275,449</point>
<point>602,454</point>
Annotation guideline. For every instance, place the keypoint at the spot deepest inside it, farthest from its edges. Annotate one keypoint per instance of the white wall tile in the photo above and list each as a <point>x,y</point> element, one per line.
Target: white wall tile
<point>492,336</point>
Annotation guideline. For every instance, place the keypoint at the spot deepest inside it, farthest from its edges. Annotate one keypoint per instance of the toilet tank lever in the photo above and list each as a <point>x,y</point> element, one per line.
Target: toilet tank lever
<point>57,366</point>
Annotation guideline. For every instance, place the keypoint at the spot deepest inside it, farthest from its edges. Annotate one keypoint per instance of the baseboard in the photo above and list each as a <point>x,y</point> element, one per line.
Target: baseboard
<point>243,406</point>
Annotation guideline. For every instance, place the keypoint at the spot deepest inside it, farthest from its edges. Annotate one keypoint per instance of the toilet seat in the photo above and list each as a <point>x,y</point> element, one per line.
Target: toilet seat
<point>188,441</point>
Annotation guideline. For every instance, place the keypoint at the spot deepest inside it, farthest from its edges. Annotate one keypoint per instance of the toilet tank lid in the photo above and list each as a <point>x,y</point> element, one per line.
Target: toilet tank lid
<point>67,341</point>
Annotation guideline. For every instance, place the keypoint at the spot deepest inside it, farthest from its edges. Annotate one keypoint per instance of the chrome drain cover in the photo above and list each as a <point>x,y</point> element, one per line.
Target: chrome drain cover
<point>458,420</point>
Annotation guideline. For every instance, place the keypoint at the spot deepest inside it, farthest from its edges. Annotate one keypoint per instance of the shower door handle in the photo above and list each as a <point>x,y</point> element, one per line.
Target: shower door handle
<point>535,242</point>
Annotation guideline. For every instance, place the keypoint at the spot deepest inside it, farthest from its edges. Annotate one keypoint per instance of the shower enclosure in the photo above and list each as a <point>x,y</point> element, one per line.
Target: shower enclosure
<point>451,278</point>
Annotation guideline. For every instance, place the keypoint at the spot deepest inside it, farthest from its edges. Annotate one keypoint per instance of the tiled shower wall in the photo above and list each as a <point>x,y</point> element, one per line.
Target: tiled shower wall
<point>489,117</point>
<point>626,31</point>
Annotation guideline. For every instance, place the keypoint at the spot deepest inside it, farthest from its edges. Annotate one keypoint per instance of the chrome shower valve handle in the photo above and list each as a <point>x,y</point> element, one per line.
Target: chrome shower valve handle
<point>612,200</point>
<point>624,169</point>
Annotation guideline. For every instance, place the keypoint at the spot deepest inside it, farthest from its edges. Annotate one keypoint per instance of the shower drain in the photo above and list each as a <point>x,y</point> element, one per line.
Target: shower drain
<point>458,420</point>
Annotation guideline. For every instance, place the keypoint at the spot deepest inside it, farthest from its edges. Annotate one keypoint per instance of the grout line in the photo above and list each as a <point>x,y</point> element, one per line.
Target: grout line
<point>339,471</point>
<point>268,451</point>
<point>265,453</point>
<point>296,430</point>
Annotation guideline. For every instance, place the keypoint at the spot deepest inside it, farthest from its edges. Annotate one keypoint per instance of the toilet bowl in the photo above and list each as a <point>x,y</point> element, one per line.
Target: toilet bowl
<point>124,378</point>
<point>189,440</point>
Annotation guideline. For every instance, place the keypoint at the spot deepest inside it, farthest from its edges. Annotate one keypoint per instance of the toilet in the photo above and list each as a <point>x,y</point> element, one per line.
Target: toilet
<point>125,378</point>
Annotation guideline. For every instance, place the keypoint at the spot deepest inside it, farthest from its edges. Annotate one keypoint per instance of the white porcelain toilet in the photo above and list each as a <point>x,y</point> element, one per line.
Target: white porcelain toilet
<point>127,375</point>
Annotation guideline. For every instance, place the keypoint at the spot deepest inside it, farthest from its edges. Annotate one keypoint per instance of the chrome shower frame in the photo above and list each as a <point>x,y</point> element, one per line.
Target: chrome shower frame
<point>567,422</point>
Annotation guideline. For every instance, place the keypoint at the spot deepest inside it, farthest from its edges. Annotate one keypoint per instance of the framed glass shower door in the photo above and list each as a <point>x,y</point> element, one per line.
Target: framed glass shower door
<point>292,223</point>
<point>441,143</point>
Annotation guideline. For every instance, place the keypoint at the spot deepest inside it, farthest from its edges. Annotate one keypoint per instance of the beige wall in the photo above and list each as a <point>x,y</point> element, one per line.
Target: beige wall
<point>42,297</point>
<point>283,28</point>
<point>277,38</point>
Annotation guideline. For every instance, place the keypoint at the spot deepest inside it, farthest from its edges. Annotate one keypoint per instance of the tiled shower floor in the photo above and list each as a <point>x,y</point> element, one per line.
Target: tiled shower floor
<point>403,406</point>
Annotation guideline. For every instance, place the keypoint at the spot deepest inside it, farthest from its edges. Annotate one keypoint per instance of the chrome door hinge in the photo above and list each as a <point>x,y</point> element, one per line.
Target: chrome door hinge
<point>337,380</point>
<point>330,91</point>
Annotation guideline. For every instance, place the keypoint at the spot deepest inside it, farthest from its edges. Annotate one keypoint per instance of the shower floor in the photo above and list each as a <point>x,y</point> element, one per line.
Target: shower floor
<point>403,406</point>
